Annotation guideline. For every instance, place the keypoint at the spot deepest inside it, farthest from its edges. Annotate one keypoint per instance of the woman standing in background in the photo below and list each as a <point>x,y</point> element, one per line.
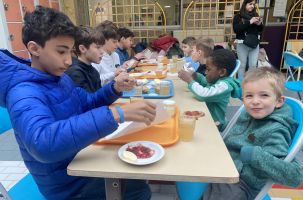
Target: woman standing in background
<point>247,25</point>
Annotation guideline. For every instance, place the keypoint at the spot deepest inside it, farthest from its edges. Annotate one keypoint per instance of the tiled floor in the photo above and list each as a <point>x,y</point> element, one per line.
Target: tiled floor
<point>11,172</point>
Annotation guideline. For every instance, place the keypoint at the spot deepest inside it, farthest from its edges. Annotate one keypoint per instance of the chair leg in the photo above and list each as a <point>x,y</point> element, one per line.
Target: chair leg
<point>299,95</point>
<point>4,193</point>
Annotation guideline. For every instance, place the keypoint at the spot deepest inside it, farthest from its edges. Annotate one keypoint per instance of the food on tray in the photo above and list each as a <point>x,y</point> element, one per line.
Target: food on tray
<point>145,89</point>
<point>138,69</point>
<point>129,156</point>
<point>157,81</point>
<point>141,81</point>
<point>141,151</point>
<point>157,89</point>
<point>194,113</point>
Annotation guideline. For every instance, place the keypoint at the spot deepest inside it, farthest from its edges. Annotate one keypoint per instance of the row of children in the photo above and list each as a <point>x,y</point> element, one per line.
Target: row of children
<point>261,137</point>
<point>53,120</point>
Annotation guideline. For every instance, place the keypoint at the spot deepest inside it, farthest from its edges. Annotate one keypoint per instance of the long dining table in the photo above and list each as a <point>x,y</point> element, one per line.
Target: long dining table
<point>204,159</point>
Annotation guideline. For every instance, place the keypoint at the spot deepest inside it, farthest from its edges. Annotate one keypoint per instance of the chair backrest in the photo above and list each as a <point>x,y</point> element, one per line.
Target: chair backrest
<point>296,144</point>
<point>5,120</point>
<point>292,60</point>
<point>238,63</point>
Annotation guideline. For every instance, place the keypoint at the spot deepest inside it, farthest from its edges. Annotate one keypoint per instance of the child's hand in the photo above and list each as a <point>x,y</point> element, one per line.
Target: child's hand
<point>140,56</point>
<point>141,111</point>
<point>124,82</point>
<point>185,75</point>
<point>119,70</point>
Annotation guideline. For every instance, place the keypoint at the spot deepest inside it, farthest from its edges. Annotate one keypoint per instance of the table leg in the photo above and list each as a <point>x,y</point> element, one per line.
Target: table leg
<point>113,189</point>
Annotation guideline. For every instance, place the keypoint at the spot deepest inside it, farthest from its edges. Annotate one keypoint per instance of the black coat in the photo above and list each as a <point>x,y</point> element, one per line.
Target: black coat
<point>83,75</point>
<point>242,26</point>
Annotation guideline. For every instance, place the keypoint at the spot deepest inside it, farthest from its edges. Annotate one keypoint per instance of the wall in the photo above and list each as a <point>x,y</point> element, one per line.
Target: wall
<point>12,18</point>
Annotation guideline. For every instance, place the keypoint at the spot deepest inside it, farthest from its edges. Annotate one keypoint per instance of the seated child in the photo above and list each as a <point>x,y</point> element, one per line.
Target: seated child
<point>109,67</point>
<point>187,48</point>
<point>207,41</point>
<point>200,52</point>
<point>125,42</point>
<point>260,139</point>
<point>88,48</point>
<point>216,87</point>
<point>52,119</point>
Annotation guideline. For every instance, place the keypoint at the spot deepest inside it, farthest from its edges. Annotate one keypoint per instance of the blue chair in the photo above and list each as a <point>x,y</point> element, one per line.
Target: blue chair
<point>26,188</point>
<point>238,63</point>
<point>5,120</point>
<point>294,61</point>
<point>194,191</point>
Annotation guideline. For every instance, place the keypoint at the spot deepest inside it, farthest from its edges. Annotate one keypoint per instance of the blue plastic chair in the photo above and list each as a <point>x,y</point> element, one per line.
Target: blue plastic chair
<point>5,120</point>
<point>26,188</point>
<point>194,191</point>
<point>294,61</point>
<point>238,63</point>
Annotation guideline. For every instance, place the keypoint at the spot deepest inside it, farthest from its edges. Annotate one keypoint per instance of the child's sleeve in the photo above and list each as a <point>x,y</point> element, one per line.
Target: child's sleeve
<point>212,93</point>
<point>78,77</point>
<point>268,161</point>
<point>47,138</point>
<point>200,79</point>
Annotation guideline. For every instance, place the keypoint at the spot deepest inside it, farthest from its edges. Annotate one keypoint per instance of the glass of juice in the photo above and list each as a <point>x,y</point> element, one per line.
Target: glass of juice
<point>186,127</point>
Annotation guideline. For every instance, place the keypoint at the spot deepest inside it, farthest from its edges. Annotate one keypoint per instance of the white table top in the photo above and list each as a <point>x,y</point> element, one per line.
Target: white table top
<point>204,159</point>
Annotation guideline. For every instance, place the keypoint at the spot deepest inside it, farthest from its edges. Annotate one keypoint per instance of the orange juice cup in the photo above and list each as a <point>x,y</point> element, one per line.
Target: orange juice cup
<point>186,128</point>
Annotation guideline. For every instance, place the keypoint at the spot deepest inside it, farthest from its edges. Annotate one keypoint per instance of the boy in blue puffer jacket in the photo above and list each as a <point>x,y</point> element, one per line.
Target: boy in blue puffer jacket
<point>260,139</point>
<point>52,119</point>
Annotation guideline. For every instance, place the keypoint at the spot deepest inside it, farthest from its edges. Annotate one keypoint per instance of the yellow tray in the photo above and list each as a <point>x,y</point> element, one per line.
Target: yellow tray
<point>165,134</point>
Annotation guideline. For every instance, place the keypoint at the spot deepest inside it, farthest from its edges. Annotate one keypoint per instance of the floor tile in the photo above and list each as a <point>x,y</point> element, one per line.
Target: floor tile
<point>14,177</point>
<point>14,170</point>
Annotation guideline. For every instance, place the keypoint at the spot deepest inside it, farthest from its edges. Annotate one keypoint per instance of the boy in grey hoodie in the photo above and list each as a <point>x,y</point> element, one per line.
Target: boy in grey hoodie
<point>260,139</point>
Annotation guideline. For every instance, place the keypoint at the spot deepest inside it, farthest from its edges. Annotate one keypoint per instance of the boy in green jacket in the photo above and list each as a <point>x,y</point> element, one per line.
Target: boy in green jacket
<point>216,87</point>
<point>260,139</point>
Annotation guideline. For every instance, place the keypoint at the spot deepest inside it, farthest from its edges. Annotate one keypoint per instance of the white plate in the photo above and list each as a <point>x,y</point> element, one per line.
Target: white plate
<point>159,153</point>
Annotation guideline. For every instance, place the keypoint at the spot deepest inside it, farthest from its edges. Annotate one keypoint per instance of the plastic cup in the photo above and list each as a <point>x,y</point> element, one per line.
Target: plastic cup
<point>138,89</point>
<point>170,107</point>
<point>172,68</point>
<point>174,58</point>
<point>164,88</point>
<point>186,128</point>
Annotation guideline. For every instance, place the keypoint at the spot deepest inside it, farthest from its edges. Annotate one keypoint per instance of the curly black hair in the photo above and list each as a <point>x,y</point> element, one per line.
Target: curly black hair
<point>45,23</point>
<point>224,59</point>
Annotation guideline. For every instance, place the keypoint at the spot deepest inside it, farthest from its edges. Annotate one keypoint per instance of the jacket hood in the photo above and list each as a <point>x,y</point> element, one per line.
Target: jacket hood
<point>284,116</point>
<point>236,85</point>
<point>15,70</point>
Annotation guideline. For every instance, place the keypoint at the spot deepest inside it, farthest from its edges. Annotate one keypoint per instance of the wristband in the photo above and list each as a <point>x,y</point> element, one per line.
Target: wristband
<point>121,113</point>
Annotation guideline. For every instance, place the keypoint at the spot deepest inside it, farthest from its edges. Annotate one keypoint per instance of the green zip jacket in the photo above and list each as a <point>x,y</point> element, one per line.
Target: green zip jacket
<point>215,95</point>
<point>258,147</point>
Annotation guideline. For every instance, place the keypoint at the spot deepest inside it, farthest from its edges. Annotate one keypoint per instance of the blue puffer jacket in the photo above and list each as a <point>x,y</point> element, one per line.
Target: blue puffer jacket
<point>53,120</point>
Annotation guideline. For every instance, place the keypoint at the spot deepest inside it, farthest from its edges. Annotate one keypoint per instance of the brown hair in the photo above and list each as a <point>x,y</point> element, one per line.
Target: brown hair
<point>203,47</point>
<point>86,36</point>
<point>190,41</point>
<point>275,78</point>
